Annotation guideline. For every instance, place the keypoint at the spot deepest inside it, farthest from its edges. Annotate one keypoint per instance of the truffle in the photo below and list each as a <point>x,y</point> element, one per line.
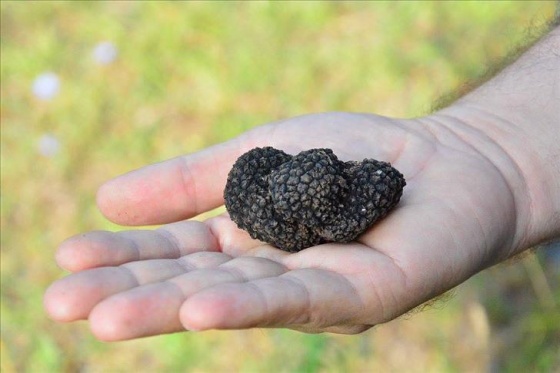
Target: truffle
<point>294,202</point>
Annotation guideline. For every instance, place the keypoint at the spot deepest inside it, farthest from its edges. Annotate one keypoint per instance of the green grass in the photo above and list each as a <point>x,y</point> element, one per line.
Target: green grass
<point>192,74</point>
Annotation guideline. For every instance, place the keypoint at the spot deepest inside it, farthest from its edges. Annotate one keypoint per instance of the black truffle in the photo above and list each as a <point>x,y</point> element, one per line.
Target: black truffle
<point>294,202</point>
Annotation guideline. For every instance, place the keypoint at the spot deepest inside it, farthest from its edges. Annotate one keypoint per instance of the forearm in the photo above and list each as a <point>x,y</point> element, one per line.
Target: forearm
<point>514,120</point>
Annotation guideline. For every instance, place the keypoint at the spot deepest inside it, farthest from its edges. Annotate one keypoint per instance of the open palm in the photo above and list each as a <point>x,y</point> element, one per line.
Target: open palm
<point>456,217</point>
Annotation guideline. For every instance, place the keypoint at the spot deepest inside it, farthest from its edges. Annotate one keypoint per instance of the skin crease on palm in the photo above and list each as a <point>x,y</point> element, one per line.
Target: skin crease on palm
<point>474,197</point>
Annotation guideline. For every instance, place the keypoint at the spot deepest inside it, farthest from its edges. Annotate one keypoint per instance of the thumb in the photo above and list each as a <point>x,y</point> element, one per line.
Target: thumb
<point>172,190</point>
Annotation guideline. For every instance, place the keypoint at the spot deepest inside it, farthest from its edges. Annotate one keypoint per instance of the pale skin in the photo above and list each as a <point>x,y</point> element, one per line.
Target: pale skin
<point>483,184</point>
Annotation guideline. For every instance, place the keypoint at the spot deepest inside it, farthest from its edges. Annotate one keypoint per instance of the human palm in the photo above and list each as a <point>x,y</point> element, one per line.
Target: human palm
<point>456,217</point>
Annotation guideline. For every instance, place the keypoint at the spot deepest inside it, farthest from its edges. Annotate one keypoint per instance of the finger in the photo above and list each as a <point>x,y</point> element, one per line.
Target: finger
<point>147,310</point>
<point>171,190</point>
<point>73,297</point>
<point>102,248</point>
<point>313,298</point>
<point>154,309</point>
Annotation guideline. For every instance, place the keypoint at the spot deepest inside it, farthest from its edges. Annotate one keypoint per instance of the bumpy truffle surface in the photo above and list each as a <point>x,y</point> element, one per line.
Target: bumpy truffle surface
<point>294,202</point>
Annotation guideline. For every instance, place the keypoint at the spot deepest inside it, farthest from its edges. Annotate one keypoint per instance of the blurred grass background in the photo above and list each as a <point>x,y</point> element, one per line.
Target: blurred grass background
<point>187,75</point>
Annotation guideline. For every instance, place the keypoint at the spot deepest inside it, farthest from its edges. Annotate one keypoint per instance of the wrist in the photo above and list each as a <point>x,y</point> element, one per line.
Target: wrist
<point>513,121</point>
<point>526,155</point>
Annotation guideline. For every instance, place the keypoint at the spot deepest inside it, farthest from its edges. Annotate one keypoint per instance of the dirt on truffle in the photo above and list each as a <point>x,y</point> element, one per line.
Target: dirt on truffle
<point>294,202</point>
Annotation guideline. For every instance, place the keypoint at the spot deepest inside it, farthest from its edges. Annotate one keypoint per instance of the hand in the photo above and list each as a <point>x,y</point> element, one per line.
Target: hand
<point>456,217</point>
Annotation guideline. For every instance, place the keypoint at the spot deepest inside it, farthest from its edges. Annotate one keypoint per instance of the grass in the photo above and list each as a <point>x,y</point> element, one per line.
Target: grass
<point>189,75</point>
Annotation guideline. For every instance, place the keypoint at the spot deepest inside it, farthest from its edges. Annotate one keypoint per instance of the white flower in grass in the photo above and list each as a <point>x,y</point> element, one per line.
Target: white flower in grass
<point>46,86</point>
<point>48,145</point>
<point>104,53</point>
